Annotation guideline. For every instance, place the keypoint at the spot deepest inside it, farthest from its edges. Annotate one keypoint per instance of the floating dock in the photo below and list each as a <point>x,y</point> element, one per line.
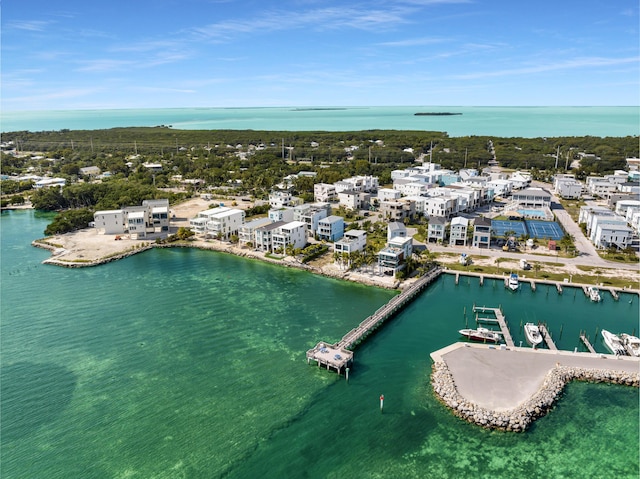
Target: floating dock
<point>547,337</point>
<point>499,318</point>
<point>338,357</point>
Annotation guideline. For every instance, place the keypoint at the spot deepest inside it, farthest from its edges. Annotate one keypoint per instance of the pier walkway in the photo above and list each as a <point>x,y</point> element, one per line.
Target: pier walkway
<point>499,318</point>
<point>587,343</point>
<point>339,356</point>
<point>547,337</point>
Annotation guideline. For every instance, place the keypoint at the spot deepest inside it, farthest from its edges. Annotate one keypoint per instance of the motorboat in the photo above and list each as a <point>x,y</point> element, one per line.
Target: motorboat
<point>613,343</point>
<point>532,333</point>
<point>631,344</point>
<point>512,282</point>
<point>482,334</point>
<point>594,294</point>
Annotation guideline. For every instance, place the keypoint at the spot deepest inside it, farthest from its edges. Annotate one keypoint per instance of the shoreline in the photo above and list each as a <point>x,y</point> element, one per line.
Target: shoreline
<point>59,251</point>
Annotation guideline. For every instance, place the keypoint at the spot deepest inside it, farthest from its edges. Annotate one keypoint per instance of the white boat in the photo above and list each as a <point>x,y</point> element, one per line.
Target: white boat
<point>481,334</point>
<point>594,294</point>
<point>613,343</point>
<point>532,333</point>
<point>631,344</point>
<point>512,282</point>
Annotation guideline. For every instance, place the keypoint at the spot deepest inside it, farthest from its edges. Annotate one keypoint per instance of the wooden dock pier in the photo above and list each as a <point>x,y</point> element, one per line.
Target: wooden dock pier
<point>587,343</point>
<point>547,337</point>
<point>559,288</point>
<point>339,356</point>
<point>614,293</point>
<point>533,285</point>
<point>499,318</point>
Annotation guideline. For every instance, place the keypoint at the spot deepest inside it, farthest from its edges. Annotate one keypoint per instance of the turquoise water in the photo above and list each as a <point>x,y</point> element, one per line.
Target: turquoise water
<point>527,122</point>
<point>185,363</point>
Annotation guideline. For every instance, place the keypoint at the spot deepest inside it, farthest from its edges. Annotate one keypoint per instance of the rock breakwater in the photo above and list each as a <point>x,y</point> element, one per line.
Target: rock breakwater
<point>520,418</point>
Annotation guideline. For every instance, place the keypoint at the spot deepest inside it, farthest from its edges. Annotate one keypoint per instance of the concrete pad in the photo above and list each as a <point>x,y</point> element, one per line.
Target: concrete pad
<point>502,379</point>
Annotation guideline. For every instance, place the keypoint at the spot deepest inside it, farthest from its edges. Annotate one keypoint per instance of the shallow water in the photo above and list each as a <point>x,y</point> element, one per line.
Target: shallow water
<point>186,363</point>
<point>527,122</point>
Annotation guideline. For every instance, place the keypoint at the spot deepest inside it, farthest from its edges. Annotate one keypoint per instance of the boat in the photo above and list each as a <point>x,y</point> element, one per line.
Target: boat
<point>532,333</point>
<point>481,334</point>
<point>594,294</point>
<point>631,344</point>
<point>512,282</point>
<point>613,343</point>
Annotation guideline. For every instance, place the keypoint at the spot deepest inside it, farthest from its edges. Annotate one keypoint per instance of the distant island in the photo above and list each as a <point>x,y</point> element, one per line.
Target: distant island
<point>436,113</point>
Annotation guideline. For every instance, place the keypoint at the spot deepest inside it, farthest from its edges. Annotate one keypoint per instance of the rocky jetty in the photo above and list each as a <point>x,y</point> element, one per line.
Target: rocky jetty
<point>519,418</point>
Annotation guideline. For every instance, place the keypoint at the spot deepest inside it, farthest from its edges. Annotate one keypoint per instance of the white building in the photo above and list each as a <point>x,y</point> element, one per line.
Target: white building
<point>612,236</point>
<point>353,240</point>
<point>392,258</point>
<point>567,188</point>
<point>354,200</point>
<point>324,192</point>
<point>50,182</point>
<point>458,231</point>
<point>441,206</point>
<point>366,184</point>
<point>311,214</point>
<point>293,233</point>
<point>199,223</point>
<point>532,198</point>
<point>281,214</point>
<point>387,194</point>
<point>264,236</point>
<point>281,198</point>
<point>247,232</point>
<point>110,222</point>
<point>225,224</point>
<point>396,229</point>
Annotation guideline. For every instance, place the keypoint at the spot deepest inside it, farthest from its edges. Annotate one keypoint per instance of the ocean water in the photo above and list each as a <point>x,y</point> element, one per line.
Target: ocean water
<point>528,122</point>
<point>180,363</point>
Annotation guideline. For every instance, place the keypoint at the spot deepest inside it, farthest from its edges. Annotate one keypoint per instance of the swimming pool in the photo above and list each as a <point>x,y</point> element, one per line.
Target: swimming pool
<point>532,213</point>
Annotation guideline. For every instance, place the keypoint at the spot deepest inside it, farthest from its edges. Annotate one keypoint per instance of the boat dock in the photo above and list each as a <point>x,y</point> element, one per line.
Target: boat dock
<point>559,288</point>
<point>338,356</point>
<point>499,318</point>
<point>533,285</point>
<point>587,343</point>
<point>614,293</point>
<point>547,337</point>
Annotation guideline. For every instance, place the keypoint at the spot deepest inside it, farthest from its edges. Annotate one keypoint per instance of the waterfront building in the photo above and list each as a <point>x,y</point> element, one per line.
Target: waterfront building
<point>247,232</point>
<point>481,233</point>
<point>293,233</point>
<point>330,228</point>
<point>199,223</point>
<point>392,258</point>
<point>264,236</point>
<point>458,231</point>
<point>109,222</point>
<point>353,240</point>
<point>436,229</point>
<point>224,224</point>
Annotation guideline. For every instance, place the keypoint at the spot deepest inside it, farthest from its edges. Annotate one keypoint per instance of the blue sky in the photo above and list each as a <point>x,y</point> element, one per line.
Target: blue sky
<point>216,53</point>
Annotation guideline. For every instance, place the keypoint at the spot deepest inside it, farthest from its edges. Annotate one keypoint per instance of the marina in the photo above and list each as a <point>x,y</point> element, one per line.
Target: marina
<point>498,317</point>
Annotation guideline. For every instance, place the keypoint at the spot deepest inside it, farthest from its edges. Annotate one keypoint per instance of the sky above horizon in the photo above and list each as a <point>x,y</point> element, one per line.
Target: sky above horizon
<point>223,53</point>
